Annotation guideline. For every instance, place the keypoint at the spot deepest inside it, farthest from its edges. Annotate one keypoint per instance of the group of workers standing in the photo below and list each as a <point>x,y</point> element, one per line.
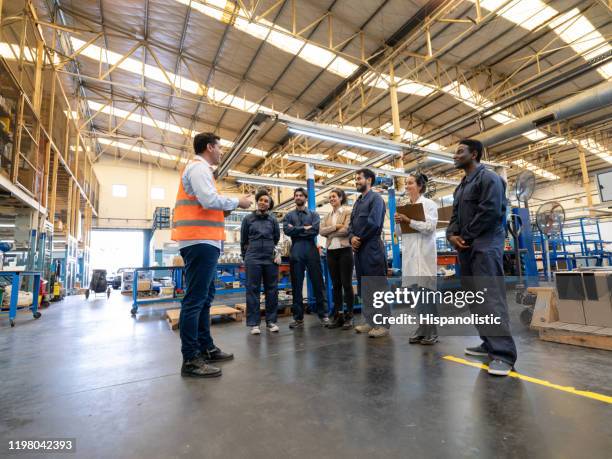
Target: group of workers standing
<point>353,241</point>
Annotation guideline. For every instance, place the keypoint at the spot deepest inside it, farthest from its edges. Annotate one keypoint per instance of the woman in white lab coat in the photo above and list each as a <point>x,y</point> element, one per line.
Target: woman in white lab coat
<point>419,253</point>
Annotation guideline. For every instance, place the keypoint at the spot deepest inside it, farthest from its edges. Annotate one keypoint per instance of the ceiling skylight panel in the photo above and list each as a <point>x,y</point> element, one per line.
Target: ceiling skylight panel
<point>583,38</point>
<point>139,149</point>
<point>354,156</point>
<point>535,169</point>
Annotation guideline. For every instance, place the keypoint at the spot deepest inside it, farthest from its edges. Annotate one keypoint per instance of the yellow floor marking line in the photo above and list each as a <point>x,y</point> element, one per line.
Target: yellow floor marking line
<point>541,382</point>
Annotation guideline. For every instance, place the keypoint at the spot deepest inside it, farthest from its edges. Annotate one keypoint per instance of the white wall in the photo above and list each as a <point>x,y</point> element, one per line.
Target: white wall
<point>135,210</point>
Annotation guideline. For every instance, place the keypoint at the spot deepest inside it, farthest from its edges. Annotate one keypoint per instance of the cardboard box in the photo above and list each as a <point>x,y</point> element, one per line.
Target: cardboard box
<point>598,298</point>
<point>571,311</point>
<point>570,291</point>
<point>144,285</point>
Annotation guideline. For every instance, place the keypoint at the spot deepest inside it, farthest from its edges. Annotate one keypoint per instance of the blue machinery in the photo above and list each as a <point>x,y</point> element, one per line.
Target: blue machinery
<point>16,278</point>
<point>526,250</point>
<point>585,235</point>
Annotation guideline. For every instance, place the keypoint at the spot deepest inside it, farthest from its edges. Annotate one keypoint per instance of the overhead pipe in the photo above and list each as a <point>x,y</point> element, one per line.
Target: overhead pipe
<point>592,99</point>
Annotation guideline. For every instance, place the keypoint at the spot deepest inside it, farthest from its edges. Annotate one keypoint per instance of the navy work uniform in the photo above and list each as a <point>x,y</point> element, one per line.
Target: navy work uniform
<point>305,256</point>
<point>367,221</point>
<point>259,235</point>
<point>479,209</point>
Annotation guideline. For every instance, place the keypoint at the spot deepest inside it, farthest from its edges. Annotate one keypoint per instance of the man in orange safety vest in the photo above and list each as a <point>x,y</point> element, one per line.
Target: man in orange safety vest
<point>199,227</point>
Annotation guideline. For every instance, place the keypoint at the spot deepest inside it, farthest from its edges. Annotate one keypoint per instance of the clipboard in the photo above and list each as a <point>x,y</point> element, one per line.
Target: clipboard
<point>413,212</point>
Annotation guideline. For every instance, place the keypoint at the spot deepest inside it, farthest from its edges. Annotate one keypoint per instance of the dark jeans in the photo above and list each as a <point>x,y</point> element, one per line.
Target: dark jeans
<point>340,263</point>
<point>371,261</point>
<point>194,321</point>
<point>305,256</point>
<point>483,261</point>
<point>254,275</point>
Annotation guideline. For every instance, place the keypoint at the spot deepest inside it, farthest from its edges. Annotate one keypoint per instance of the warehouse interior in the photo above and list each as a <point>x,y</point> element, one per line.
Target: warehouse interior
<point>100,101</point>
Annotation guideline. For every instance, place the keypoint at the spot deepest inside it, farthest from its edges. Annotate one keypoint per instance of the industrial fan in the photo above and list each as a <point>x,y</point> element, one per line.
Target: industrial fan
<point>549,220</point>
<point>524,186</point>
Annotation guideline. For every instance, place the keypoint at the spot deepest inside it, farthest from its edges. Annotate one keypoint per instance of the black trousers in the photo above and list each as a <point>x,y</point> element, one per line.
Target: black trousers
<point>305,257</point>
<point>482,269</point>
<point>340,264</point>
<point>194,321</point>
<point>371,262</point>
<point>255,273</point>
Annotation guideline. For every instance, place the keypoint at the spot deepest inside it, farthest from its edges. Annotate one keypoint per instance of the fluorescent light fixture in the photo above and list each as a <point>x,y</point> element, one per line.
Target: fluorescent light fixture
<point>344,141</point>
<point>445,181</point>
<point>277,182</point>
<point>7,225</point>
<point>353,167</point>
<point>440,159</point>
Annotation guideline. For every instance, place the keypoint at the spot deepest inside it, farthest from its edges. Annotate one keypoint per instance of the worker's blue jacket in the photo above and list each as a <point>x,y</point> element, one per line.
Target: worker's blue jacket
<point>259,235</point>
<point>302,240</point>
<point>479,206</point>
<point>368,218</point>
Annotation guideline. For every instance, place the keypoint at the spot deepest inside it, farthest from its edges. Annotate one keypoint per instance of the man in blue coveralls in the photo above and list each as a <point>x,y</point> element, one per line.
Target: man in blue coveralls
<point>302,226</point>
<point>476,230</point>
<point>365,236</point>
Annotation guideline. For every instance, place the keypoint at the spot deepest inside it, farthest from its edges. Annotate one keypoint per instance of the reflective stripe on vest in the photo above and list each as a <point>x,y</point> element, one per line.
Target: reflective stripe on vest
<point>191,221</point>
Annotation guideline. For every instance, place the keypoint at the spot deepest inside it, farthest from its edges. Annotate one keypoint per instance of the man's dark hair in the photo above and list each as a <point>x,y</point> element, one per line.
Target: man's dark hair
<point>201,141</point>
<point>300,190</point>
<point>264,192</point>
<point>421,181</point>
<point>473,145</point>
<point>367,174</point>
<point>341,195</point>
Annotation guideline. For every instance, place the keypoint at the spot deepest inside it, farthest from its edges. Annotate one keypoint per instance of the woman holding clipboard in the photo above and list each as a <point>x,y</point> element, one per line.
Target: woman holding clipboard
<point>419,253</point>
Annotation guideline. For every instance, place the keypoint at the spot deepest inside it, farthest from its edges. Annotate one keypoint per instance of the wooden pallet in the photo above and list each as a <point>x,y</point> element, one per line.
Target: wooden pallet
<point>283,311</point>
<point>172,318</point>
<point>226,311</point>
<point>172,315</point>
<point>576,334</point>
<point>546,321</point>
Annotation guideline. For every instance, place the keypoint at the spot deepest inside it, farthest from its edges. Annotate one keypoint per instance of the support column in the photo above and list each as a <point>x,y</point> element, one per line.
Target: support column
<point>586,182</point>
<point>397,131</point>
<point>395,243</point>
<point>398,163</point>
<point>310,187</point>
<point>46,166</point>
<point>53,199</point>
<point>312,206</point>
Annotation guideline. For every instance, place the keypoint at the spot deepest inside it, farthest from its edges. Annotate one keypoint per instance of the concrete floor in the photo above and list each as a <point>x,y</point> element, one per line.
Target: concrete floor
<point>89,371</point>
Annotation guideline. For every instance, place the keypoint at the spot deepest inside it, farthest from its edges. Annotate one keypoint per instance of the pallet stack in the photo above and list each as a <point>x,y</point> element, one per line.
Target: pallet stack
<point>578,310</point>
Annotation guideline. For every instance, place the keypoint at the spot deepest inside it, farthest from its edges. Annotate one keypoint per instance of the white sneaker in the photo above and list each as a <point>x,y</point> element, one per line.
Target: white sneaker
<point>272,327</point>
<point>255,330</point>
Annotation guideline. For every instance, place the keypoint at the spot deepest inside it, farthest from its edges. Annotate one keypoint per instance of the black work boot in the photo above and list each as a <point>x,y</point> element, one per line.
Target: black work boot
<point>217,355</point>
<point>348,322</point>
<point>297,324</point>
<point>198,368</point>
